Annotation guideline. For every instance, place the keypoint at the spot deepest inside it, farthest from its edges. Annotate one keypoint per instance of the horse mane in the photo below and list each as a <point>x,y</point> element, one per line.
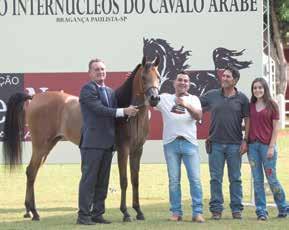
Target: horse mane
<point>124,92</point>
<point>223,57</point>
<point>173,61</point>
<point>176,58</point>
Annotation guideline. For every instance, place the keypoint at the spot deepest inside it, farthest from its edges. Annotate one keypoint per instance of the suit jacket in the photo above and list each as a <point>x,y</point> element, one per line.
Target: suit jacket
<point>98,126</point>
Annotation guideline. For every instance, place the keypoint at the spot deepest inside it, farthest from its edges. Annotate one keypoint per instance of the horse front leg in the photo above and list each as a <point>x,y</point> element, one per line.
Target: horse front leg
<point>134,170</point>
<point>122,166</point>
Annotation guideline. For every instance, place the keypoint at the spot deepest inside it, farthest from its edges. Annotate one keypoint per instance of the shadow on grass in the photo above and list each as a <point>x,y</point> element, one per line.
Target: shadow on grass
<point>15,210</point>
<point>156,218</point>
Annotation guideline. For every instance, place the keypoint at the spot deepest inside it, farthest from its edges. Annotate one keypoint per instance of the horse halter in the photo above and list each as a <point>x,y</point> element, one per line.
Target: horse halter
<point>142,90</point>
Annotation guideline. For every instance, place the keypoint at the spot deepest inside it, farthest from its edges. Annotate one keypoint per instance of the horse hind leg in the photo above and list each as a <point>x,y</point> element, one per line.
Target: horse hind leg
<point>31,172</point>
<point>122,166</point>
<point>134,170</point>
<point>39,155</point>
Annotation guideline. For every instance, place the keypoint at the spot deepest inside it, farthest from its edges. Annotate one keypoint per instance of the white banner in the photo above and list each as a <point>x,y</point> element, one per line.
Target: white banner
<point>62,35</point>
<point>41,39</point>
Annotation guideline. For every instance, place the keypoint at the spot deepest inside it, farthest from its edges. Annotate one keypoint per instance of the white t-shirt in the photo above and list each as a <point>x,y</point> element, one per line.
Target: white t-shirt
<point>178,122</point>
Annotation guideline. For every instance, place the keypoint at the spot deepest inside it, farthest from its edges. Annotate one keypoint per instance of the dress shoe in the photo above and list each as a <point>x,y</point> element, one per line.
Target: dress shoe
<point>100,220</point>
<point>85,222</point>
<point>198,219</point>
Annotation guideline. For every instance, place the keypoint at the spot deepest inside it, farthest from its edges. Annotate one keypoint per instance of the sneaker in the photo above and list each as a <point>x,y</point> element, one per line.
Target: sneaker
<point>216,215</point>
<point>284,213</point>
<point>175,218</point>
<point>198,218</point>
<point>262,217</point>
<point>237,215</point>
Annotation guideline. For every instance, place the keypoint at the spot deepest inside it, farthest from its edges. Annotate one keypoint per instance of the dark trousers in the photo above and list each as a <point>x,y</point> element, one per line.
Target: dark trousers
<point>93,186</point>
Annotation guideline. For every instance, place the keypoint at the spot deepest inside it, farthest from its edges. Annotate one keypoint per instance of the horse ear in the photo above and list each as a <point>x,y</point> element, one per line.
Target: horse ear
<point>144,60</point>
<point>157,61</point>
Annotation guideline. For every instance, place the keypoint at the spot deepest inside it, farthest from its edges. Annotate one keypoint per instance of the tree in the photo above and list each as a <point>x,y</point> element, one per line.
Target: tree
<point>279,10</point>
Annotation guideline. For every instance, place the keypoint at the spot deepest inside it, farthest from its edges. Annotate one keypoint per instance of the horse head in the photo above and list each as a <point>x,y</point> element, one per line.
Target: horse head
<point>147,81</point>
<point>223,57</point>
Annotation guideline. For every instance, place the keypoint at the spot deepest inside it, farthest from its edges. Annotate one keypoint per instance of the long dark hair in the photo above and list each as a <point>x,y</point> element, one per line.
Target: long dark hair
<point>267,98</point>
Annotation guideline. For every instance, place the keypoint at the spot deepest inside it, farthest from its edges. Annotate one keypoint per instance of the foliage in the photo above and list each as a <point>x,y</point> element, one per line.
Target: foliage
<point>282,10</point>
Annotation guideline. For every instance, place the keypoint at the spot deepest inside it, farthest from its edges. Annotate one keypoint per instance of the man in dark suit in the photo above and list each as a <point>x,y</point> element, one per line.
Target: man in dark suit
<point>98,108</point>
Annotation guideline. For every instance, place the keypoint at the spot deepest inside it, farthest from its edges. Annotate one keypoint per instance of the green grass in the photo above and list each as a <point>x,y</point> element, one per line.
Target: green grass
<point>57,193</point>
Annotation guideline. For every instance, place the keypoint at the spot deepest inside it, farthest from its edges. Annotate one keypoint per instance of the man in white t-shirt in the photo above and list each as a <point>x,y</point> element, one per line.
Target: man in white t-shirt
<point>180,111</point>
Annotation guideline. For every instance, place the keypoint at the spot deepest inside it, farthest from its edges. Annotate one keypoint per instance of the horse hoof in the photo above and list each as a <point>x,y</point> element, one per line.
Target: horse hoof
<point>127,219</point>
<point>36,218</point>
<point>27,215</point>
<point>140,217</point>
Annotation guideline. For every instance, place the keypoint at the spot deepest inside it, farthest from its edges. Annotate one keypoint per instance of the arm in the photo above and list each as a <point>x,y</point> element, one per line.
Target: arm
<point>244,144</point>
<point>194,112</point>
<point>121,112</point>
<point>90,98</point>
<point>204,99</point>
<point>245,115</point>
<point>270,152</point>
<point>247,127</point>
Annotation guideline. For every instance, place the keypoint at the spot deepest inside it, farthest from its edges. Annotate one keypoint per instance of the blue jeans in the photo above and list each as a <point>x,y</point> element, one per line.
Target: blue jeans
<point>175,152</point>
<point>257,155</point>
<point>221,153</point>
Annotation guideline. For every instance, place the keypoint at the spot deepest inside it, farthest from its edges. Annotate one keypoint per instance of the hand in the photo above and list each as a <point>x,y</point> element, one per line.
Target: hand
<point>243,147</point>
<point>180,101</point>
<point>130,111</point>
<point>270,153</point>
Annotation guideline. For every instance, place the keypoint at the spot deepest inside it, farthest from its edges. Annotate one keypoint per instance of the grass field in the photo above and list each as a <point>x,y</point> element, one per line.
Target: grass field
<point>57,190</point>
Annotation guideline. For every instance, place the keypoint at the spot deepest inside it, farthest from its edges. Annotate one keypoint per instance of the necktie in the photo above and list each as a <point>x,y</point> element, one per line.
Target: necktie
<point>103,96</point>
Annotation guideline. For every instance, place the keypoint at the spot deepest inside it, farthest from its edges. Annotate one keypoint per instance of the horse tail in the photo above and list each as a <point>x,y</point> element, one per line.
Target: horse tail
<point>14,129</point>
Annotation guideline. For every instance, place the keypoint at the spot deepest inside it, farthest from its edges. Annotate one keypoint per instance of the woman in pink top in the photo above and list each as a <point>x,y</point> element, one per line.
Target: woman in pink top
<point>262,153</point>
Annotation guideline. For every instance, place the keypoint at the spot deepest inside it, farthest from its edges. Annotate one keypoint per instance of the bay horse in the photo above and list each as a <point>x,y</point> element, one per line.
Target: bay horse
<point>52,116</point>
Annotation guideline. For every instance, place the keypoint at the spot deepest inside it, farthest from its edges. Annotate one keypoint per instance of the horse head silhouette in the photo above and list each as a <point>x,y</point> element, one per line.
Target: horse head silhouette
<point>173,61</point>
